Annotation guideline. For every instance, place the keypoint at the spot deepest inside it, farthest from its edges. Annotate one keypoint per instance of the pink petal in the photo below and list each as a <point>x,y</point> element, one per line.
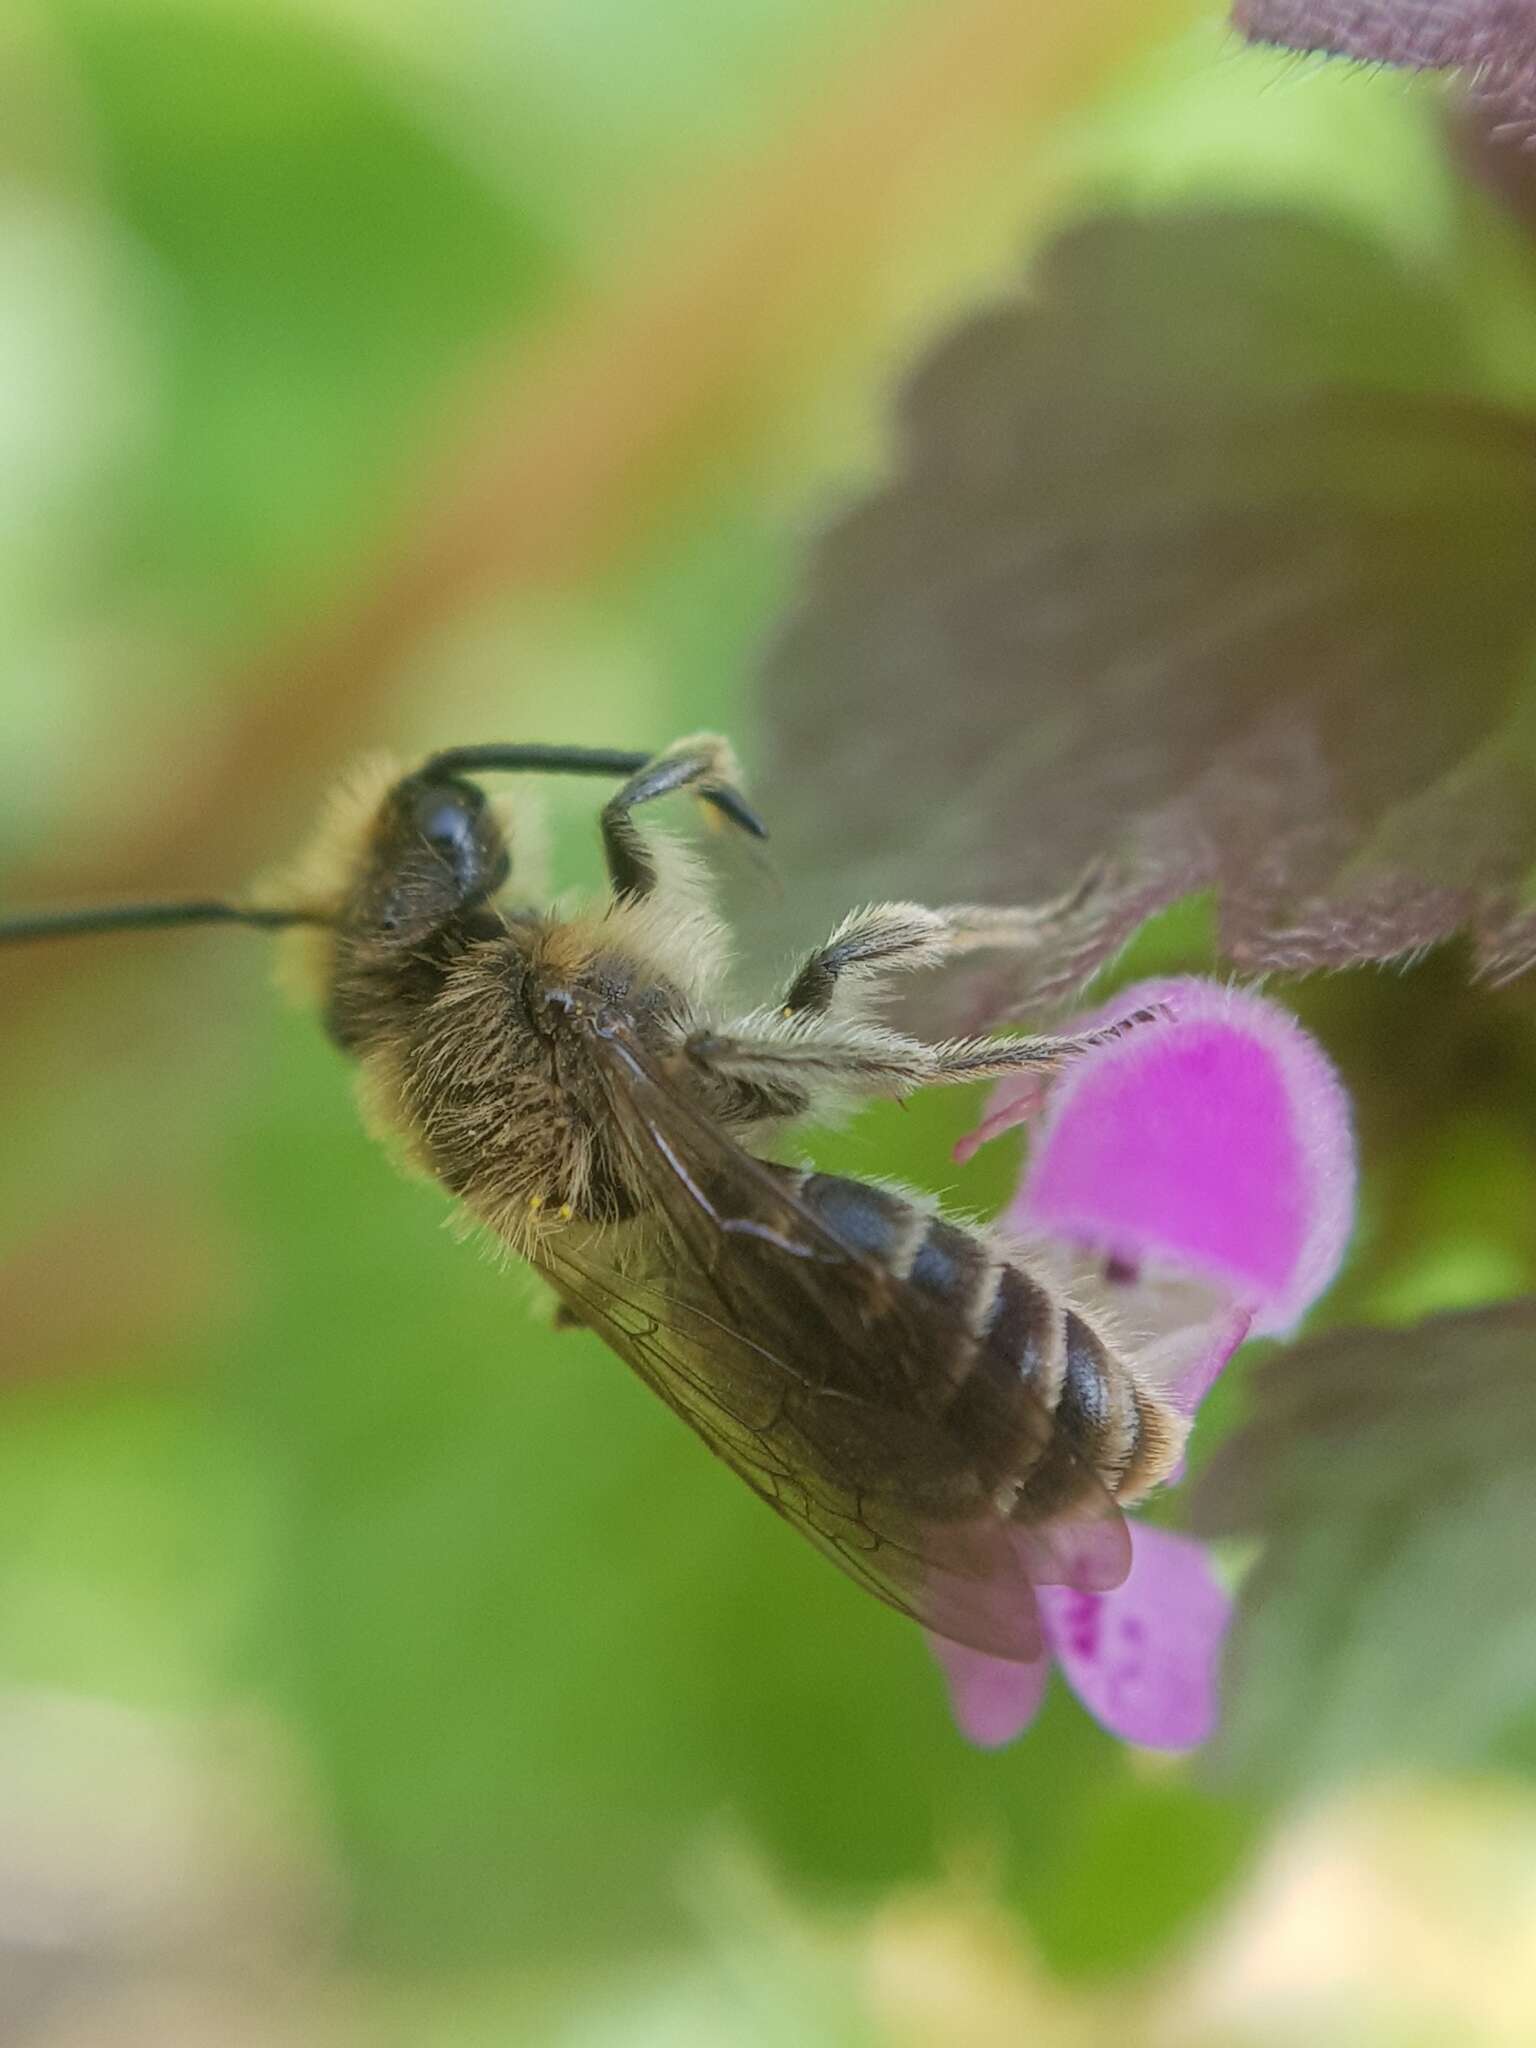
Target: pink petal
<point>1188,1369</point>
<point>1013,1102</point>
<point>1218,1142</point>
<point>1177,1330</point>
<point>993,1702</point>
<point>1144,1660</point>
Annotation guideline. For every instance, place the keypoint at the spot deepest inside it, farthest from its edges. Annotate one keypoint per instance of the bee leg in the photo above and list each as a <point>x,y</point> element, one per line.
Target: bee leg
<point>994,1059</point>
<point>769,1052</point>
<point>865,945</point>
<point>902,937</point>
<point>704,764</point>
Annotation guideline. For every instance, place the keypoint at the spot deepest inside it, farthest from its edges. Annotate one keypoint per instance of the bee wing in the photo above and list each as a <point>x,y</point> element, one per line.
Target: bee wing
<point>819,1376</point>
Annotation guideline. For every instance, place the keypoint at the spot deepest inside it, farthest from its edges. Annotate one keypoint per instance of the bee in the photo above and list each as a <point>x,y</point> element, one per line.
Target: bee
<point>920,1399</point>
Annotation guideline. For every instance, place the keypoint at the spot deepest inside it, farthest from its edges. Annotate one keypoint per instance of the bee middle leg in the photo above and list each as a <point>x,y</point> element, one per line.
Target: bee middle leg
<point>903,937</point>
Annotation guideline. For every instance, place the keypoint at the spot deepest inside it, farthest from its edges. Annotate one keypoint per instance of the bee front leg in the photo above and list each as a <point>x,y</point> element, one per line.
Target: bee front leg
<point>704,764</point>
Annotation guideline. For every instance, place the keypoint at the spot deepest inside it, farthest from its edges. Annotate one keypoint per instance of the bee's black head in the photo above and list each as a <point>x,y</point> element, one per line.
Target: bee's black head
<point>436,853</point>
<point>419,894</point>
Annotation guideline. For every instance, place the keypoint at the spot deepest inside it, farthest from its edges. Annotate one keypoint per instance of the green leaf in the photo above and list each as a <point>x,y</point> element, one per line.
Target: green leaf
<point>1162,1850</point>
<point>1391,1477</point>
<point>322,263</point>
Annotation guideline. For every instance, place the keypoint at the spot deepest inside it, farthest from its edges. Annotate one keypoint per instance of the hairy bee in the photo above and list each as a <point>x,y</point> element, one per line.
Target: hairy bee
<point>919,1399</point>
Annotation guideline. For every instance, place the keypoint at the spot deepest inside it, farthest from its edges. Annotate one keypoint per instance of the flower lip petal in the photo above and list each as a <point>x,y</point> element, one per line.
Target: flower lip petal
<point>1013,1102</point>
<point>993,1701</point>
<point>1144,1660</point>
<point>1217,1142</point>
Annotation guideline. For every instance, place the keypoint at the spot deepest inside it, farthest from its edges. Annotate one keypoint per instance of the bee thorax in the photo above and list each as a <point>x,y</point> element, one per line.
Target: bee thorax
<point>493,1089</point>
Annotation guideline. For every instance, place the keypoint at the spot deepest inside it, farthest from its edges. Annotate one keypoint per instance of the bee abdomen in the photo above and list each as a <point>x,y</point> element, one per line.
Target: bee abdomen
<point>1096,1423</point>
<point>1034,1396</point>
<point>940,1259</point>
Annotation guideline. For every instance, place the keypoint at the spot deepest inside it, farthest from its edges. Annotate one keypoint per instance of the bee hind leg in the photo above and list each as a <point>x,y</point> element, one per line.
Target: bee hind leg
<point>866,1060</point>
<point>994,1059</point>
<point>791,1054</point>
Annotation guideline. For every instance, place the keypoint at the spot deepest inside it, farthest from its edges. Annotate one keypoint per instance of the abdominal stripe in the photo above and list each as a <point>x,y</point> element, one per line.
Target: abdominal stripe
<point>1024,1387</point>
<point>936,1258</point>
<point>1001,1409</point>
<point>1026,1390</point>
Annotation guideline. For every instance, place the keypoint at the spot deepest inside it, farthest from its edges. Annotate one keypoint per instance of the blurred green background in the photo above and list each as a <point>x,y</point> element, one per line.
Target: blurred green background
<point>375,1664</point>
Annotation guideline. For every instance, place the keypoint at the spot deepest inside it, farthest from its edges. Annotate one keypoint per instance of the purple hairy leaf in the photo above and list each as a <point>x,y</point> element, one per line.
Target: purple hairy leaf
<point>1491,42</point>
<point>1391,1477</point>
<point>1200,567</point>
<point>1489,45</point>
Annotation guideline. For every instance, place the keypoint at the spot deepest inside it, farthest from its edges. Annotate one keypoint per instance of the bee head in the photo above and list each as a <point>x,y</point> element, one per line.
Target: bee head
<point>435,851</point>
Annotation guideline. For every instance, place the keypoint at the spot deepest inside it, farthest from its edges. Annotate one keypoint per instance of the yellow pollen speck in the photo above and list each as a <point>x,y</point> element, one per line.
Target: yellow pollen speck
<point>566,1212</point>
<point>535,1204</point>
<point>786,1011</point>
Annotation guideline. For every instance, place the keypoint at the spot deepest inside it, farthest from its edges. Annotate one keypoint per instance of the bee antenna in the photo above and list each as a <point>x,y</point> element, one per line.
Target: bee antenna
<point>144,917</point>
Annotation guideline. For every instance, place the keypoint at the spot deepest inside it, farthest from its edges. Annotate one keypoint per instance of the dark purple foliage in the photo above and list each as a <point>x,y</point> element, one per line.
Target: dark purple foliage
<point>1491,43</point>
<point>1204,563</point>
<point>1489,46</point>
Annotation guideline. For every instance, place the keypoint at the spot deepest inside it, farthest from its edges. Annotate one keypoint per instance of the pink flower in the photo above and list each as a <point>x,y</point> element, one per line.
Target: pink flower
<point>1142,1659</point>
<point>1203,1171</point>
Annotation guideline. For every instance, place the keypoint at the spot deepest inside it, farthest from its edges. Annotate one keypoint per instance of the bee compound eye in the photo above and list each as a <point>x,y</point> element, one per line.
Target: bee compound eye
<point>448,817</point>
<point>450,822</point>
